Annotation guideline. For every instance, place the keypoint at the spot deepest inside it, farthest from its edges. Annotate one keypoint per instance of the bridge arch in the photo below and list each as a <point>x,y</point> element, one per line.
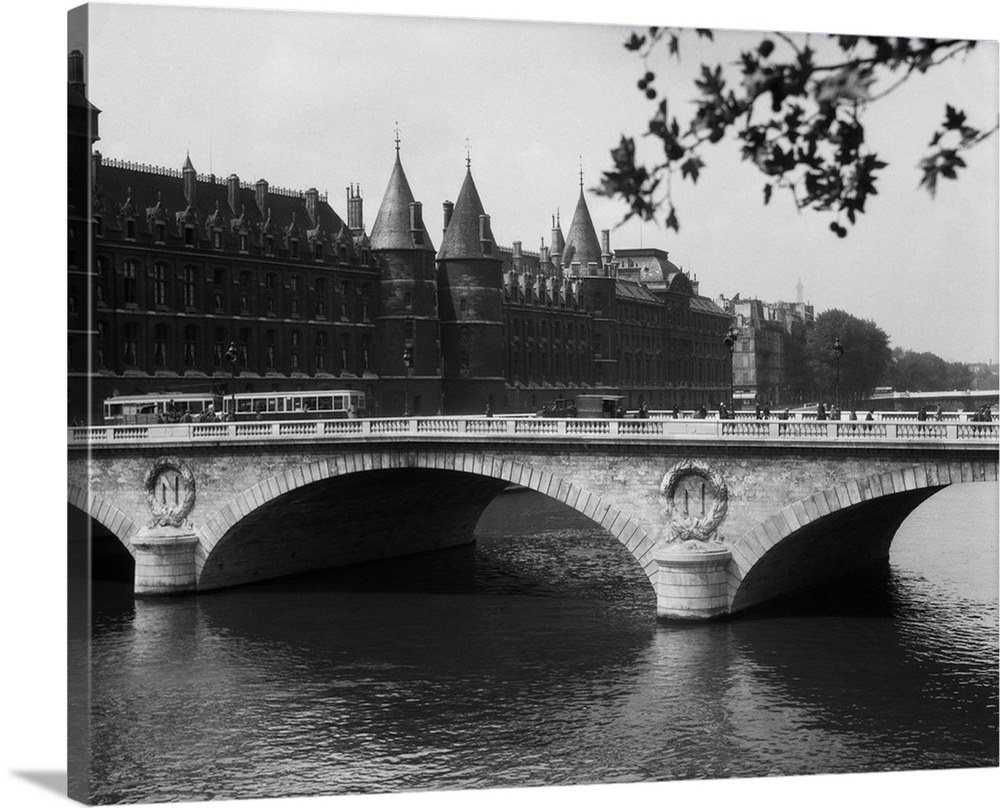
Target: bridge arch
<point>215,530</point>
<point>104,513</point>
<point>837,530</point>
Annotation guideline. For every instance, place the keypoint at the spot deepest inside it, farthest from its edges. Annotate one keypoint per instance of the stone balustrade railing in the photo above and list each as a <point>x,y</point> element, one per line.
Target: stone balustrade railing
<point>475,428</point>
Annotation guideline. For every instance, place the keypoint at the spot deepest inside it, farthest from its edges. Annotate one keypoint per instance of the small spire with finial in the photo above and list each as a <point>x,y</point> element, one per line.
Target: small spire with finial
<point>396,130</point>
<point>468,154</point>
<point>581,172</point>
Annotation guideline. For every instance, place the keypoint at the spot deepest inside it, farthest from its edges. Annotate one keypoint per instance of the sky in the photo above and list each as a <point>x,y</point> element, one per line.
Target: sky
<point>314,99</point>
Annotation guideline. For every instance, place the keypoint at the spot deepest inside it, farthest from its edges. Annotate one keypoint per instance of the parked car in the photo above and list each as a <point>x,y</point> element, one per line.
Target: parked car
<point>560,408</point>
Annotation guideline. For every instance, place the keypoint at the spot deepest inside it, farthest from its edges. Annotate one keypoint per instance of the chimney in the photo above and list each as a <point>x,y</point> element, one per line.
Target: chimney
<point>233,192</point>
<point>95,162</point>
<point>190,182</point>
<point>606,245</point>
<point>517,249</point>
<point>449,208</point>
<point>417,222</point>
<point>355,210</point>
<point>484,233</point>
<point>76,70</point>
<point>260,189</point>
<point>312,200</point>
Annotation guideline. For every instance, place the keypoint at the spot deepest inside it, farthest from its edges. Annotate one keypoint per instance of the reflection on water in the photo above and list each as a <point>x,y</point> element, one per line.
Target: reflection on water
<point>534,658</point>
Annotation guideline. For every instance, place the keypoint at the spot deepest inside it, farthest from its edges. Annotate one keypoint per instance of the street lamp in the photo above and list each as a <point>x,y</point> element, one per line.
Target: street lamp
<point>838,349</point>
<point>730,342</point>
<point>232,357</point>
<point>407,364</point>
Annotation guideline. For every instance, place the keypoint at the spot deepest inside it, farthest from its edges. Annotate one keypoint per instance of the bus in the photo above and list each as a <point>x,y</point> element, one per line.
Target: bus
<point>298,405</point>
<point>158,408</point>
<point>154,408</point>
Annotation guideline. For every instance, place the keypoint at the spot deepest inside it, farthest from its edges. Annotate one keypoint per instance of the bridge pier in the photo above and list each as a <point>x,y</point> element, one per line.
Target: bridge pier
<point>164,561</point>
<point>691,581</point>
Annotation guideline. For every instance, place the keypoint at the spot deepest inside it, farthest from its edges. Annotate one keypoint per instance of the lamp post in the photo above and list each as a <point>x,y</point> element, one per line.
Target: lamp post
<point>407,364</point>
<point>232,357</point>
<point>730,342</point>
<point>838,349</point>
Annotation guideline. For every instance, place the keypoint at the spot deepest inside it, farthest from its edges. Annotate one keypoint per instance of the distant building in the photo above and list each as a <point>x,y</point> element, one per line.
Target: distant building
<point>169,268</point>
<point>768,359</point>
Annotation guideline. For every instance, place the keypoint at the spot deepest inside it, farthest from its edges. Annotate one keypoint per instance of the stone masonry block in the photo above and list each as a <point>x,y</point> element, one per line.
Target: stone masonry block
<point>909,479</point>
<point>617,524</point>
<point>920,476</point>
<point>865,489</point>
<point>811,511</point>
<point>801,515</point>
<point>898,484</point>
<point>875,484</point>
<point>854,492</point>
<point>955,469</point>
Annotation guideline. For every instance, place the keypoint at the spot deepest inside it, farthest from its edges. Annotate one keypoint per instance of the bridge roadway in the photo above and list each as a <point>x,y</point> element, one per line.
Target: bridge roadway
<point>721,516</point>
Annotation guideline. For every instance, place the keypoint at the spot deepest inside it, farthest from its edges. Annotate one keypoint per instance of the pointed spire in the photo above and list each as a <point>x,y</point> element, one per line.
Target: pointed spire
<point>582,244</point>
<point>469,228</point>
<point>391,230</point>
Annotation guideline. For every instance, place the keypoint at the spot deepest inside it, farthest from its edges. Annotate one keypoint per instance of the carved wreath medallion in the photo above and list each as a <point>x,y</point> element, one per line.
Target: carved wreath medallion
<point>169,492</point>
<point>694,501</point>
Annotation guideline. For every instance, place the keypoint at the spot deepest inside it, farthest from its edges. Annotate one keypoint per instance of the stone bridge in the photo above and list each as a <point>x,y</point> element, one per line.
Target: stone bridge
<point>721,516</point>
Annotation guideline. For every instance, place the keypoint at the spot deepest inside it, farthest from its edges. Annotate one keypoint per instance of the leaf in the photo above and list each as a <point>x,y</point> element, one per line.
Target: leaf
<point>953,118</point>
<point>767,193</point>
<point>671,220</point>
<point>691,167</point>
<point>635,42</point>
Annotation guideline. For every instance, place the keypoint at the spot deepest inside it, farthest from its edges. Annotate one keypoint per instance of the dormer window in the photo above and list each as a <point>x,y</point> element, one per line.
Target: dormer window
<point>244,242</point>
<point>188,235</point>
<point>269,245</point>
<point>293,248</point>
<point>130,229</point>
<point>318,251</point>
<point>160,232</point>
<point>217,239</point>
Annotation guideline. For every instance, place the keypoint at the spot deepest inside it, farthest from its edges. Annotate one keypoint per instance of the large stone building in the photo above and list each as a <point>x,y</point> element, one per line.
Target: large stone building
<point>183,265</point>
<point>768,354</point>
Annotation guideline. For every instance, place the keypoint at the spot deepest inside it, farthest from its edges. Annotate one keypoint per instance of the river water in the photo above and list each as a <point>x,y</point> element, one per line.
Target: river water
<point>535,658</point>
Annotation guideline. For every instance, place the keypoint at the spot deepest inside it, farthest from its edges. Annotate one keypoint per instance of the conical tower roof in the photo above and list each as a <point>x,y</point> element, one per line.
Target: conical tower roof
<point>461,238</point>
<point>582,244</point>
<point>391,230</point>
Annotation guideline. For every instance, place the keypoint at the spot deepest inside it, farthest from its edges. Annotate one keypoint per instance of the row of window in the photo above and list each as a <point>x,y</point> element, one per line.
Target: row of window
<point>160,290</point>
<point>325,353</point>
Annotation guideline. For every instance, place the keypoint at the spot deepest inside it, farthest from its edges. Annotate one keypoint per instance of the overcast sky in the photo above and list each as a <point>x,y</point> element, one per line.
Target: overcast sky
<point>313,99</point>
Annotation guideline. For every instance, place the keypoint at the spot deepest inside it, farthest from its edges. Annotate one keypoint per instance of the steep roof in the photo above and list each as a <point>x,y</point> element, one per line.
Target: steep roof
<point>148,187</point>
<point>582,244</point>
<point>391,230</point>
<point>461,239</point>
